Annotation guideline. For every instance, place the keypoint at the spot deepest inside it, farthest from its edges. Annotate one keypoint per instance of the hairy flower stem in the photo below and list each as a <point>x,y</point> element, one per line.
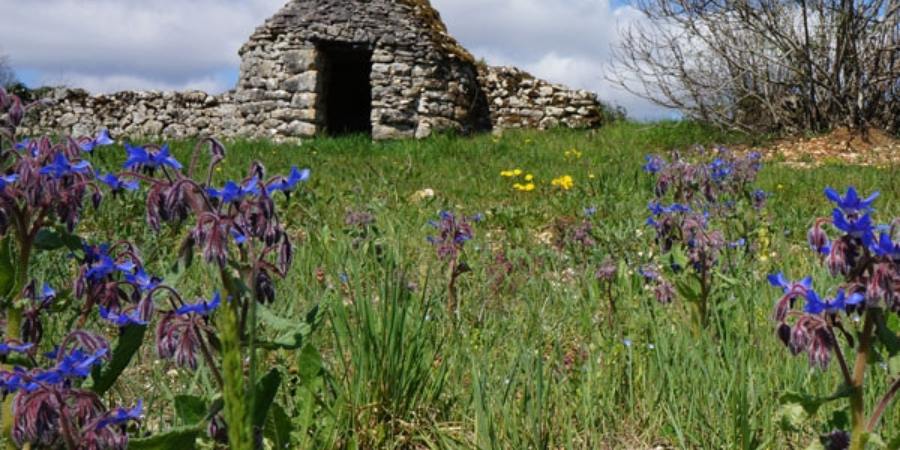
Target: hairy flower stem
<point>14,330</point>
<point>240,435</point>
<point>857,404</point>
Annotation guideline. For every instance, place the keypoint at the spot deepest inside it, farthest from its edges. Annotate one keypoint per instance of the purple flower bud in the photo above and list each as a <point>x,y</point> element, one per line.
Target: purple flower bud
<point>664,292</point>
<point>837,259</point>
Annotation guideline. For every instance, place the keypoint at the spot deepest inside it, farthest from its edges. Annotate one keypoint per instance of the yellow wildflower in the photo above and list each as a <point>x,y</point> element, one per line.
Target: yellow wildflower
<point>524,187</point>
<point>507,173</point>
<point>591,176</point>
<point>564,182</point>
<point>529,177</point>
<point>517,172</point>
<point>573,154</point>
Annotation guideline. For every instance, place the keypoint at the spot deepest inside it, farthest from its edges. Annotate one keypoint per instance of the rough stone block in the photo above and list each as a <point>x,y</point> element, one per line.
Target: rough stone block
<point>304,82</point>
<point>298,61</point>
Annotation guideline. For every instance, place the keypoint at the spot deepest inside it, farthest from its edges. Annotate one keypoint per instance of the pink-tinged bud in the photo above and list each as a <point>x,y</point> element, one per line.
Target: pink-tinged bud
<point>819,350</point>
<point>837,258</point>
<point>664,292</point>
<point>16,112</point>
<point>817,238</point>
<point>782,307</point>
<point>879,284</point>
<point>799,339</point>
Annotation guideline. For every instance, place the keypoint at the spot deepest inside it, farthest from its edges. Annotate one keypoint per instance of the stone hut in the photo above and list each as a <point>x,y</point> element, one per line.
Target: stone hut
<point>388,68</point>
<point>385,67</point>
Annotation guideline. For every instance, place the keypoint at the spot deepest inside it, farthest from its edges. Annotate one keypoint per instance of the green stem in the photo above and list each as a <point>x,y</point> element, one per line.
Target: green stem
<point>14,329</point>
<point>857,403</point>
<point>240,435</point>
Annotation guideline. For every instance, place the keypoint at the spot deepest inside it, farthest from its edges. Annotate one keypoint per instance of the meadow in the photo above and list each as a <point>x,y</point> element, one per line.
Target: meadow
<point>536,358</point>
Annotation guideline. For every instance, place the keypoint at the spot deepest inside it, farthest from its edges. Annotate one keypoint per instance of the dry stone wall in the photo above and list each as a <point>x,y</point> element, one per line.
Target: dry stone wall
<point>146,114</point>
<point>420,81</point>
<point>518,100</point>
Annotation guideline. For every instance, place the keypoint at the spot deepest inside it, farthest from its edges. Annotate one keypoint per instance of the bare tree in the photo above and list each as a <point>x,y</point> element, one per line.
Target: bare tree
<point>768,65</point>
<point>7,76</point>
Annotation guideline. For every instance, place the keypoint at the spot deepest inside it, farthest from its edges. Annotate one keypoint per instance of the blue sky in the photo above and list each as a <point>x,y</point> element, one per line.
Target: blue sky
<point>110,45</point>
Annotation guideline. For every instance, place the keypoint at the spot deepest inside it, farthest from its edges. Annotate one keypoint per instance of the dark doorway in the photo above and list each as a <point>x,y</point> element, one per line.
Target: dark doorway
<point>346,88</point>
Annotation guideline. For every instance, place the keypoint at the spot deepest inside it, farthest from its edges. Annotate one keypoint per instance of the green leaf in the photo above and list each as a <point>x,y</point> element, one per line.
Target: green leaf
<point>689,289</point>
<point>190,409</point>
<point>309,363</point>
<point>177,438</point>
<point>47,240</point>
<point>291,334</point>
<point>279,427</point>
<point>7,268</point>
<point>887,336</point>
<point>266,388</point>
<point>810,403</point>
<point>129,342</point>
<point>792,416</point>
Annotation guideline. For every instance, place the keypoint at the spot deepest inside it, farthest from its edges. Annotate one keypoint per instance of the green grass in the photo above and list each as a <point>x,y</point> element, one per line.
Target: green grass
<point>535,362</point>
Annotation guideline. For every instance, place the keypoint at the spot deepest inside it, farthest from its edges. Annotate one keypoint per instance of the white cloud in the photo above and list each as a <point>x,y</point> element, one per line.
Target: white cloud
<point>108,45</point>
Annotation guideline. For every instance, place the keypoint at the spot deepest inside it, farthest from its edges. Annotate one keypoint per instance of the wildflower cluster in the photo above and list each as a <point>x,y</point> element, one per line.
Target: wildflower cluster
<point>866,258</point>
<point>453,232</point>
<point>696,201</point>
<point>527,186</point>
<point>565,182</point>
<point>44,187</point>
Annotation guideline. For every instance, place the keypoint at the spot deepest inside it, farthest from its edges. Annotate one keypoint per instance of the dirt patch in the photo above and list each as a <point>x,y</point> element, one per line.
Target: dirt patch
<point>841,146</point>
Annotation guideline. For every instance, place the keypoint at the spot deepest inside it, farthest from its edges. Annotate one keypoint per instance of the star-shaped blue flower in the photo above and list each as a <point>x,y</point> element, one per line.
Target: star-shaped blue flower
<point>99,141</point>
<point>106,266</point>
<point>202,308</point>
<point>884,246</point>
<point>233,192</point>
<point>815,305</point>
<point>116,184</point>
<point>6,180</point>
<point>290,183</point>
<point>140,158</point>
<point>7,348</point>
<point>121,415</point>
<point>779,280</point>
<point>124,319</point>
<point>61,167</point>
<point>851,203</point>
<point>860,228</point>
<point>141,280</point>
<point>654,164</point>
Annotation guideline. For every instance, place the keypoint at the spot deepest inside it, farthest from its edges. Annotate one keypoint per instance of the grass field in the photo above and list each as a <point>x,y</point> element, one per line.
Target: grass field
<point>535,360</point>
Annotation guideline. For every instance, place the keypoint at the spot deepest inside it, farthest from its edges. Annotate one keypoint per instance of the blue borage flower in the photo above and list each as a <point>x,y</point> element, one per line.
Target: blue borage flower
<point>6,180</point>
<point>654,164</point>
<point>288,184</point>
<point>886,247</point>
<point>105,266</point>
<point>239,237</point>
<point>61,167</point>
<point>140,158</point>
<point>122,319</point>
<point>861,228</point>
<point>658,209</point>
<point>779,280</point>
<point>7,348</point>
<point>233,192</point>
<point>720,169</point>
<point>815,305</point>
<point>47,293</point>
<point>77,364</point>
<point>119,416</point>
<point>88,145</point>
<point>141,280</point>
<point>851,203</point>
<point>590,211</point>
<point>24,144</point>
<point>202,308</point>
<point>116,184</point>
